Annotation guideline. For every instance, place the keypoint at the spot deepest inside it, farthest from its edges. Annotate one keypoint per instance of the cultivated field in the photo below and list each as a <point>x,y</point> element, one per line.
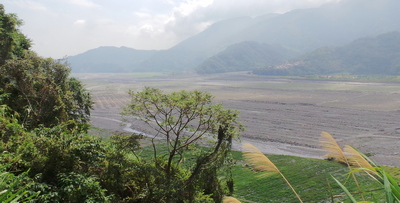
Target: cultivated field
<point>281,116</point>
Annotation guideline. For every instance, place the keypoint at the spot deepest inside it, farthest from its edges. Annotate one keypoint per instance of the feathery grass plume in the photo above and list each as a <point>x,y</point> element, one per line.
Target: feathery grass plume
<point>334,151</point>
<point>261,163</point>
<point>227,199</point>
<point>329,144</point>
<point>258,161</point>
<point>355,158</point>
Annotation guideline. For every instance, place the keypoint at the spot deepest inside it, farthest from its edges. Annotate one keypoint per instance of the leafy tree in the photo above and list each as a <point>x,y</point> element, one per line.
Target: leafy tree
<point>41,92</point>
<point>38,89</point>
<point>184,119</point>
<point>12,41</point>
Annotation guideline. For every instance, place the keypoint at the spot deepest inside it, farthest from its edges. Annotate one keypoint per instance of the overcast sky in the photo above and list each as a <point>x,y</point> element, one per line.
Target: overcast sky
<point>61,28</point>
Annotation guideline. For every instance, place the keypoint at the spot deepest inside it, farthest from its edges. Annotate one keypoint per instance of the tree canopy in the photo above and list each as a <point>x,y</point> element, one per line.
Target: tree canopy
<point>38,89</point>
<point>12,41</point>
<point>184,119</point>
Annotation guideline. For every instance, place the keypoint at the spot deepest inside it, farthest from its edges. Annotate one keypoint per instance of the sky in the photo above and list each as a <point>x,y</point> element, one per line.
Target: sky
<point>60,28</point>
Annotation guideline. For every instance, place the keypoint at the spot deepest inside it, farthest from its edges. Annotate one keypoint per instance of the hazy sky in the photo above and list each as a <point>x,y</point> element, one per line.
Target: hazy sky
<point>61,28</point>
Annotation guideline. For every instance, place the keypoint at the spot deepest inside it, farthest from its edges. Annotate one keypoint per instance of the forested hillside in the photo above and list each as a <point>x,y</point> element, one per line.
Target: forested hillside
<point>110,60</point>
<point>378,55</point>
<point>245,56</point>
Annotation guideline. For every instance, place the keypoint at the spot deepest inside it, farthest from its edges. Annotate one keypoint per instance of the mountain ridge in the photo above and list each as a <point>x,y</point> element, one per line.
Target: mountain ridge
<point>379,55</point>
<point>302,30</point>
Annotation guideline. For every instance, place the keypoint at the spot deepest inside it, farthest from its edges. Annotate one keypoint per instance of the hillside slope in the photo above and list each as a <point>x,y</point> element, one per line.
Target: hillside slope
<point>245,56</point>
<point>109,60</point>
<point>378,55</point>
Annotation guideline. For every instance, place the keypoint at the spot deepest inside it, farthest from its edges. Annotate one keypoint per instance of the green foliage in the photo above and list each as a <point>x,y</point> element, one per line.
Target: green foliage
<point>63,163</point>
<point>310,177</point>
<point>126,142</point>
<point>12,42</point>
<point>78,188</point>
<point>391,188</point>
<point>50,151</point>
<point>40,91</point>
<point>43,116</point>
<point>15,188</point>
<point>182,120</point>
<point>36,88</point>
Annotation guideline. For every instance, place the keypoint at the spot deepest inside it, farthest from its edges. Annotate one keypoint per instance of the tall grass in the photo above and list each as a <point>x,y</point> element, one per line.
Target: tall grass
<point>261,163</point>
<point>384,188</point>
<point>361,162</point>
<point>13,188</point>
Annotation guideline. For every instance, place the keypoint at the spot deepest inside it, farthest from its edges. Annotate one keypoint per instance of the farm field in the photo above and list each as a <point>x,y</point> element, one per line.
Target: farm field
<point>281,116</point>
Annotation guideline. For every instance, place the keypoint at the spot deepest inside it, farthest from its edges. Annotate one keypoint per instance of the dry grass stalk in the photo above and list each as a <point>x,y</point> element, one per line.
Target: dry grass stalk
<point>329,144</point>
<point>260,162</point>
<point>334,151</point>
<point>227,199</point>
<point>355,158</point>
<point>257,159</point>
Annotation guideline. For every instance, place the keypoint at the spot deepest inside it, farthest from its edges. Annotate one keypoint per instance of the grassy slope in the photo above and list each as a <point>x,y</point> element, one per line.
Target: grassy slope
<point>311,178</point>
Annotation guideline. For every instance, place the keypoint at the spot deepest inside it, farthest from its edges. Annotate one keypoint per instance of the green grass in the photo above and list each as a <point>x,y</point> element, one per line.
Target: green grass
<point>311,178</point>
<point>104,133</point>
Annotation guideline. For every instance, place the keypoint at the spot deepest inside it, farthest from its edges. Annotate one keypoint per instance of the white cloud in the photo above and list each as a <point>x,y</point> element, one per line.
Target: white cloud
<point>29,5</point>
<point>190,6</point>
<point>84,3</point>
<point>70,27</point>
<point>80,22</point>
<point>142,15</point>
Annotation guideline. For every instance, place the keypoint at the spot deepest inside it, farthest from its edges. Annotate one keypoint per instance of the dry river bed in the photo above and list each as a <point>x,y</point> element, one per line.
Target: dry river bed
<point>281,116</point>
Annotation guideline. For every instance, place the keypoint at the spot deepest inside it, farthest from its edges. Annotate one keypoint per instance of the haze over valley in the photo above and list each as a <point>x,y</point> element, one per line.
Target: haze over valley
<point>270,40</point>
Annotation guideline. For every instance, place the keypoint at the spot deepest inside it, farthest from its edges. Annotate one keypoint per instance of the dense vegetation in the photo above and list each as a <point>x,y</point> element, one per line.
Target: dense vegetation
<point>48,155</point>
<point>366,56</point>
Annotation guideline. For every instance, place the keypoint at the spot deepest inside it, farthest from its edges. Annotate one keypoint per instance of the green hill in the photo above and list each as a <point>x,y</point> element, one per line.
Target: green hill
<point>109,60</point>
<point>245,56</point>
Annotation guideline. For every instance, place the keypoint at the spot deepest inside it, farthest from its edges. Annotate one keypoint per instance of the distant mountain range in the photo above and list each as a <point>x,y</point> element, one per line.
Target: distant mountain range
<point>248,43</point>
<point>366,56</point>
<point>109,60</point>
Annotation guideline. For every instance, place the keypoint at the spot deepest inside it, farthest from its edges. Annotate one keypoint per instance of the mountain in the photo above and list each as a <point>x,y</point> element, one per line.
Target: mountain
<point>109,60</point>
<point>302,30</point>
<point>378,55</point>
<point>332,24</point>
<point>191,52</point>
<point>244,56</point>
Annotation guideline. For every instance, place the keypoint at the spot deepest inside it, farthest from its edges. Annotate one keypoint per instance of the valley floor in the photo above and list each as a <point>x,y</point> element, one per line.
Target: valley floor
<point>281,116</point>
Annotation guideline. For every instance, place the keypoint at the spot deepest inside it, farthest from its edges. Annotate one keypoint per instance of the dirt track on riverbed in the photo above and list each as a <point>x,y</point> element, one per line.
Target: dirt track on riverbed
<point>281,116</point>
